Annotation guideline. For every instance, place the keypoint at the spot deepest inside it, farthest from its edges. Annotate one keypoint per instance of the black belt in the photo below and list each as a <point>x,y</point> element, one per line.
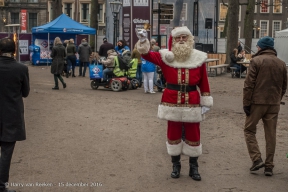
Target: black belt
<point>183,87</point>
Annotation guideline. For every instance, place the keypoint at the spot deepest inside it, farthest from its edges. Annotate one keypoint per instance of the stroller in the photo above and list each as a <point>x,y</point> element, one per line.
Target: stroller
<point>161,81</point>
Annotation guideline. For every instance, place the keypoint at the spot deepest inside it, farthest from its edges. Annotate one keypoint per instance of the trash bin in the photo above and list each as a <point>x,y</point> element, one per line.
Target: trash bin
<point>34,54</point>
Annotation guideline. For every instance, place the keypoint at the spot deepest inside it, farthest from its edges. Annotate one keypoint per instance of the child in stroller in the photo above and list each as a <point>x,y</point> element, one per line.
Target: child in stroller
<point>161,82</point>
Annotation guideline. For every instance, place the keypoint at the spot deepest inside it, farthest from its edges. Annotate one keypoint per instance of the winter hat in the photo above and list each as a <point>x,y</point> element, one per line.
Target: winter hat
<point>153,41</point>
<point>104,39</point>
<point>265,42</point>
<point>174,33</point>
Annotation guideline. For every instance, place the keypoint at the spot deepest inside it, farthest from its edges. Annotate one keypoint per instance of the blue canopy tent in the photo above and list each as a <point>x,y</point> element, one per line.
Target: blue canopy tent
<point>63,27</point>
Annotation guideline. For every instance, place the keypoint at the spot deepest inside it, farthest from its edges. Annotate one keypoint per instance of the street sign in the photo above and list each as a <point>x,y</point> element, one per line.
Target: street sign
<point>166,11</point>
<point>166,17</point>
<point>164,21</point>
<point>166,6</point>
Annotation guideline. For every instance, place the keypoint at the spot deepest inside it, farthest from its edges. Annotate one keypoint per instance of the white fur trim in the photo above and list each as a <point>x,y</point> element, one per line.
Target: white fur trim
<point>206,101</point>
<point>196,59</point>
<point>143,48</point>
<point>169,56</point>
<point>192,151</point>
<point>180,31</point>
<point>174,150</point>
<point>180,114</point>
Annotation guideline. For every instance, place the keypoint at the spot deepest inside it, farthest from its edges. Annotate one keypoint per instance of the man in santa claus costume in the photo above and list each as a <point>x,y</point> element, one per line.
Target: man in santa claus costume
<point>186,97</point>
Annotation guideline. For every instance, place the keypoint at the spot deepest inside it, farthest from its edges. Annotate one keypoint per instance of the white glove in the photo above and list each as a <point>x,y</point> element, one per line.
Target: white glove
<point>141,34</point>
<point>205,109</point>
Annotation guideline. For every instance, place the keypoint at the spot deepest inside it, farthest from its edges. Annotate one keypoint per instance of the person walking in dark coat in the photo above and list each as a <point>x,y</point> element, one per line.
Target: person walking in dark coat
<point>84,52</point>
<point>105,47</point>
<point>264,87</point>
<point>58,59</point>
<point>14,85</point>
<point>71,57</point>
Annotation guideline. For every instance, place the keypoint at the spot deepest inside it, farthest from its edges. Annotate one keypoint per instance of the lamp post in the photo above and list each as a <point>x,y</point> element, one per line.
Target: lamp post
<point>115,9</point>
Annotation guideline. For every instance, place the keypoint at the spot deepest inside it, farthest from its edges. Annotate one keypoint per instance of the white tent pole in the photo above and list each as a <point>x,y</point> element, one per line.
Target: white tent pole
<point>95,48</point>
<point>48,48</point>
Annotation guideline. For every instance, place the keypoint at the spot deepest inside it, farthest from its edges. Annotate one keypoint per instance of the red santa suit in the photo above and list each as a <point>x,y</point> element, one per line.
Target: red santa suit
<point>181,105</point>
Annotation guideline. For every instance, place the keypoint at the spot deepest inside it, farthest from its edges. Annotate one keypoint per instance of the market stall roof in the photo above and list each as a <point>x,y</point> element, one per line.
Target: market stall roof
<point>281,41</point>
<point>64,24</point>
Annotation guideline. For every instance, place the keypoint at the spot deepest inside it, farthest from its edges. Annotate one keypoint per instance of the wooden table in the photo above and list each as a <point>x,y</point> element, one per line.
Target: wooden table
<point>207,65</point>
<point>245,63</point>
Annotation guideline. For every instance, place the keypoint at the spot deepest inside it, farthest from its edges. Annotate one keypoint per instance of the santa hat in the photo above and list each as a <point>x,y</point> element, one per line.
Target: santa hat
<point>174,33</point>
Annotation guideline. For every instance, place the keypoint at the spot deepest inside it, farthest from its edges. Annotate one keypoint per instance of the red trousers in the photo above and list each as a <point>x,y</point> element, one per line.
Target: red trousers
<point>192,131</point>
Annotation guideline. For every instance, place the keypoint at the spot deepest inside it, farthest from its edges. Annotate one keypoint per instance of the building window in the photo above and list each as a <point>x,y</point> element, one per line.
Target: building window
<point>85,12</point>
<point>184,12</point>
<point>276,27</point>
<point>263,29</point>
<point>277,8</point>
<point>221,31</point>
<point>68,9</point>
<point>32,20</point>
<point>15,18</point>
<point>264,6</point>
<point>14,1</point>
<point>223,12</point>
<point>100,11</point>
<point>33,1</point>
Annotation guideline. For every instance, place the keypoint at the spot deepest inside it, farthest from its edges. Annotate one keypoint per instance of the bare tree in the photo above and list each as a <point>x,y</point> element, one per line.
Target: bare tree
<point>232,30</point>
<point>177,13</point>
<point>56,8</point>
<point>249,24</point>
<point>94,22</point>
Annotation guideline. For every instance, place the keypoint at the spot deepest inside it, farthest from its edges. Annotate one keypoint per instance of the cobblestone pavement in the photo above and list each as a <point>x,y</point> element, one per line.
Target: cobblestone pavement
<point>79,139</point>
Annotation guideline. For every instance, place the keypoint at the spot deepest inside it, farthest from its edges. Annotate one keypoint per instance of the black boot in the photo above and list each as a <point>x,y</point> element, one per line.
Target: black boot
<point>176,166</point>
<point>193,172</point>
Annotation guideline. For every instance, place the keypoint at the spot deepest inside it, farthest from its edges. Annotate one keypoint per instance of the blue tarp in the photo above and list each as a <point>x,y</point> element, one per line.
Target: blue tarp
<point>65,25</point>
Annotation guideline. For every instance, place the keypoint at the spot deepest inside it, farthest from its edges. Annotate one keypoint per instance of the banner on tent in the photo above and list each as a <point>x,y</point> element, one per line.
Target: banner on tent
<point>44,48</point>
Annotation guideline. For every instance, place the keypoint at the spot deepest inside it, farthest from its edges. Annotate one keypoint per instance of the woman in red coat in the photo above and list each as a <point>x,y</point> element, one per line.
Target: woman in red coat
<point>186,98</point>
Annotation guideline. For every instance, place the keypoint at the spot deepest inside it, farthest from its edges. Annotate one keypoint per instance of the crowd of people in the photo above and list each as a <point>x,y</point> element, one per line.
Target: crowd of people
<point>64,60</point>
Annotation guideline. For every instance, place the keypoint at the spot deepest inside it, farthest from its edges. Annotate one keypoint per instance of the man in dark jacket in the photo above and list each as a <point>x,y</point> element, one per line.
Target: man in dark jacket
<point>14,85</point>
<point>105,47</point>
<point>84,52</point>
<point>264,87</point>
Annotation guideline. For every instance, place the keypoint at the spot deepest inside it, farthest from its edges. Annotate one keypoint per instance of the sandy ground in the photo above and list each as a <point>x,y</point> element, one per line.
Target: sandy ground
<point>79,139</point>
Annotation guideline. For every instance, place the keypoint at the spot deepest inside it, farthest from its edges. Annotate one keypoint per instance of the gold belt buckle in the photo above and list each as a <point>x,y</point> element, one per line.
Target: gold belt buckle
<point>183,88</point>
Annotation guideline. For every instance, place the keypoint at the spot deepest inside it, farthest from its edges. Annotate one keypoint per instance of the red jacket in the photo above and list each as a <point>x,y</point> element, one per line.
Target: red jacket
<point>179,106</point>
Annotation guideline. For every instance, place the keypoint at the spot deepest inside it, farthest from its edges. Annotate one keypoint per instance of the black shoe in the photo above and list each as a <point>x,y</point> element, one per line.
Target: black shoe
<point>67,75</point>
<point>64,85</point>
<point>55,88</point>
<point>257,165</point>
<point>193,172</point>
<point>268,171</point>
<point>79,75</point>
<point>237,74</point>
<point>73,75</point>
<point>176,166</point>
<point>83,76</point>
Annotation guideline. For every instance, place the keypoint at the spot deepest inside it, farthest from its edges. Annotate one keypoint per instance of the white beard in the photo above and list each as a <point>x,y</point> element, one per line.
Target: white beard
<point>182,51</point>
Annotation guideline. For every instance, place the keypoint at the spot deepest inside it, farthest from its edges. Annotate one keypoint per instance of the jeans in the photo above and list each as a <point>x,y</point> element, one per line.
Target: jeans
<point>71,62</point>
<point>84,65</point>
<point>7,149</point>
<point>139,74</point>
<point>239,66</point>
<point>106,72</point>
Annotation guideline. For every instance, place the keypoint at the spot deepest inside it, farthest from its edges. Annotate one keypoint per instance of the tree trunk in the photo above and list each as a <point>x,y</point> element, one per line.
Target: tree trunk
<point>232,32</point>
<point>248,25</point>
<point>177,14</point>
<point>56,8</point>
<point>94,23</point>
